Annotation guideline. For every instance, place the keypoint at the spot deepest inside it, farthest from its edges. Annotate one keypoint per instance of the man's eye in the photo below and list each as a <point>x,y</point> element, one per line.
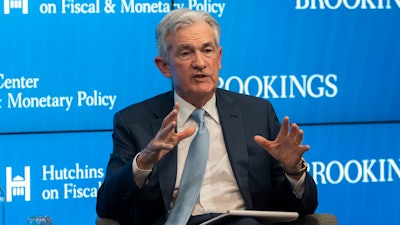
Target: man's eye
<point>184,54</point>
<point>208,50</point>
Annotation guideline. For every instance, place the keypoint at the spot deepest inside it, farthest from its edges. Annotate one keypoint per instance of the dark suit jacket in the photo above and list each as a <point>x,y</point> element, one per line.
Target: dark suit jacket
<point>260,177</point>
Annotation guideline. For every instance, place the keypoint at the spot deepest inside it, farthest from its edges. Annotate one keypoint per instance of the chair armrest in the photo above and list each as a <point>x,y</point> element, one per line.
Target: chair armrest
<point>104,221</point>
<point>316,219</point>
<point>312,219</point>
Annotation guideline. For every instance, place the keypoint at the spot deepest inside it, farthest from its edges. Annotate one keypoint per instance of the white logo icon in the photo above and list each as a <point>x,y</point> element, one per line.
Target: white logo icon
<point>15,4</point>
<point>18,186</point>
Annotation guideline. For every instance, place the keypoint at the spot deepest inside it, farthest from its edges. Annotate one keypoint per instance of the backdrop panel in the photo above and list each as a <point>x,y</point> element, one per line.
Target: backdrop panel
<point>315,65</point>
<point>53,174</point>
<point>357,170</point>
<point>356,167</point>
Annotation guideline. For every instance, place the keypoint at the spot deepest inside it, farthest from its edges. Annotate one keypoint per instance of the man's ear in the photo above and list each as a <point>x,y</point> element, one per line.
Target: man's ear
<point>220,58</point>
<point>162,65</point>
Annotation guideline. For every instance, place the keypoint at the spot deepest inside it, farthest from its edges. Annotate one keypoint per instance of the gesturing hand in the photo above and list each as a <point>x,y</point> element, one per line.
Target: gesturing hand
<point>287,147</point>
<point>164,141</point>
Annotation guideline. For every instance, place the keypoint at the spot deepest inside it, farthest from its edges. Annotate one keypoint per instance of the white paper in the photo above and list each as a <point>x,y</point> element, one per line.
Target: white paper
<point>263,216</point>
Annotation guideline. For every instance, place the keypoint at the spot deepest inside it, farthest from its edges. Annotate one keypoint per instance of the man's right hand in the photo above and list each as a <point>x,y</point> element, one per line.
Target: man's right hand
<point>165,140</point>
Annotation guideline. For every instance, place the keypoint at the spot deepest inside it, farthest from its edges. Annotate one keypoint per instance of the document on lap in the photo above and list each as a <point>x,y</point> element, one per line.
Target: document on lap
<point>263,216</point>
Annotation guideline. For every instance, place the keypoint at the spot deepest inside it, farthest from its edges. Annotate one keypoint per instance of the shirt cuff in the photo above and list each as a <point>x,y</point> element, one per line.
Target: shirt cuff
<point>298,186</point>
<point>139,175</point>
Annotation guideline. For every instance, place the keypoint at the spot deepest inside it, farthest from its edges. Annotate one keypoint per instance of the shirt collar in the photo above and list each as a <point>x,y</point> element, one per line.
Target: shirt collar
<point>186,109</point>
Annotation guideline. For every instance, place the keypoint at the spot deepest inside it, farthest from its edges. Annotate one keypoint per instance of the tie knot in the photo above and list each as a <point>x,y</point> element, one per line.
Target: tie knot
<point>198,115</point>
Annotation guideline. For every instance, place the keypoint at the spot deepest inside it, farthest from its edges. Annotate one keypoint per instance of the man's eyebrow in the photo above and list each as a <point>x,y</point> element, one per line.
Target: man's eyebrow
<point>208,44</point>
<point>184,46</point>
<point>189,46</point>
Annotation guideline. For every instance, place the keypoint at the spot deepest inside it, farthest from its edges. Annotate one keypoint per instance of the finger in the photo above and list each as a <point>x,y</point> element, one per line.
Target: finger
<point>294,131</point>
<point>299,140</point>
<point>163,146</point>
<point>176,106</point>
<point>171,117</point>
<point>262,141</point>
<point>166,131</point>
<point>305,148</point>
<point>301,149</point>
<point>285,126</point>
<point>156,146</point>
<point>299,137</point>
<point>186,133</point>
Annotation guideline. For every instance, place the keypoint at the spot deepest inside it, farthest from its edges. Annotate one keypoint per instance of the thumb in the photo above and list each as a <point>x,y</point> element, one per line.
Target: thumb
<point>262,141</point>
<point>187,132</point>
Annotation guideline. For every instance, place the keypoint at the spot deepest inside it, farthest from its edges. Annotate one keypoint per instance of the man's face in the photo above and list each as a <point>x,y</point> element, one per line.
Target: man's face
<point>194,61</point>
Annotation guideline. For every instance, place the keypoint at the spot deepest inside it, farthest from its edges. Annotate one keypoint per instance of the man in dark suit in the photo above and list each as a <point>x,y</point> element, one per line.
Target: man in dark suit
<point>254,163</point>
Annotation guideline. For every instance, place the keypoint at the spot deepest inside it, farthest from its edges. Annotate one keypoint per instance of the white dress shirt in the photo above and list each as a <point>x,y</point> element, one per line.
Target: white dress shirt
<point>219,191</point>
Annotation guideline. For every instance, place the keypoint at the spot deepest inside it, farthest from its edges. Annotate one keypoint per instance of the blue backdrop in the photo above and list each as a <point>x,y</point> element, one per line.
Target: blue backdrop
<point>67,66</point>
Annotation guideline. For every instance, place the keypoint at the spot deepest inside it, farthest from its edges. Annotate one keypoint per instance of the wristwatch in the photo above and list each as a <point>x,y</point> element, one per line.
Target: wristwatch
<point>298,173</point>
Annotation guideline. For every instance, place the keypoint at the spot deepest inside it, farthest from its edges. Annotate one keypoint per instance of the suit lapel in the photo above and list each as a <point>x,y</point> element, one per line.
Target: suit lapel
<point>231,123</point>
<point>166,167</point>
<point>167,177</point>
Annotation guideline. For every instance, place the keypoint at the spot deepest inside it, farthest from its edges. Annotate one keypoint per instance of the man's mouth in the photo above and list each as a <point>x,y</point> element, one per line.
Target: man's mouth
<point>200,76</point>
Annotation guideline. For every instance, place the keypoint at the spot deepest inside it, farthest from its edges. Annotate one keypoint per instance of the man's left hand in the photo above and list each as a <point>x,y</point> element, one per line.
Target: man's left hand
<point>287,147</point>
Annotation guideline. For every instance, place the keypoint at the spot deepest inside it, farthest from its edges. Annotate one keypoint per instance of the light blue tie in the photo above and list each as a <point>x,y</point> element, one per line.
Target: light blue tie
<point>193,174</point>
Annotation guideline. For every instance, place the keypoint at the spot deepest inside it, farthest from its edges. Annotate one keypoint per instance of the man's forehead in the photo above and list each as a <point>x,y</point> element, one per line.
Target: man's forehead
<point>198,31</point>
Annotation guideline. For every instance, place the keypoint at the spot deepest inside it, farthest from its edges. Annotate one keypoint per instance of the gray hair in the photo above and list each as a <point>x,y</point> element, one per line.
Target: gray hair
<point>181,18</point>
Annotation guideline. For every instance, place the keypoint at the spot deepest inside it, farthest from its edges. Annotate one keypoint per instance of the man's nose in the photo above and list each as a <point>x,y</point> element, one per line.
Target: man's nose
<point>199,61</point>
